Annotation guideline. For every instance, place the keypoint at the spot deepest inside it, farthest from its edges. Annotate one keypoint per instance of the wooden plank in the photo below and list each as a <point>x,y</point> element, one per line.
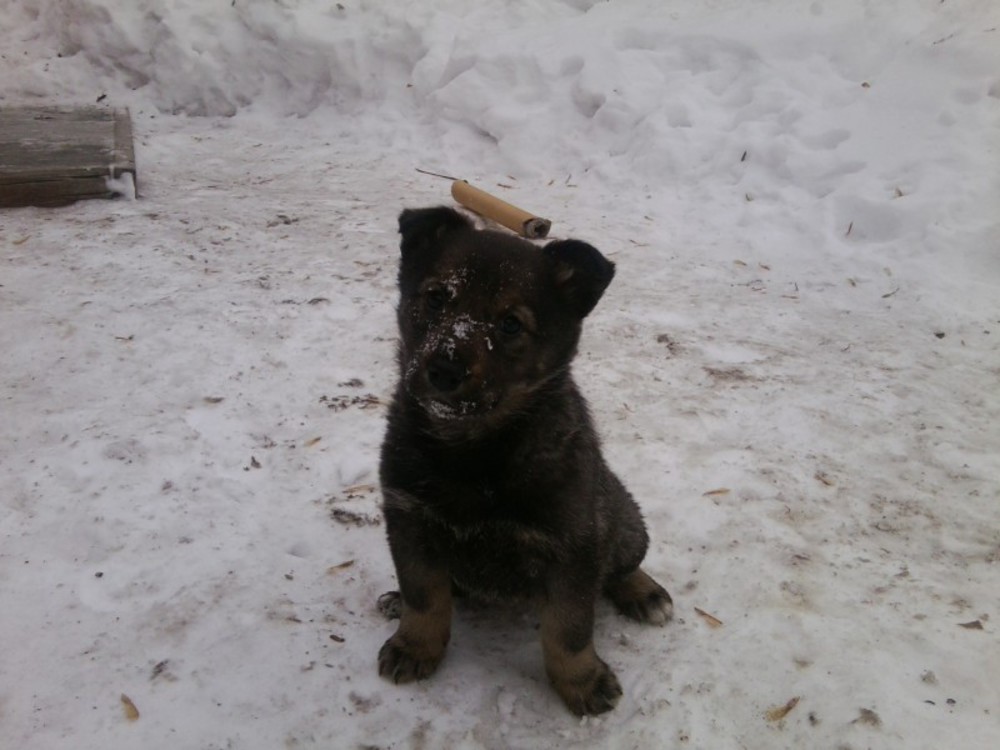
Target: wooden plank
<point>52,156</point>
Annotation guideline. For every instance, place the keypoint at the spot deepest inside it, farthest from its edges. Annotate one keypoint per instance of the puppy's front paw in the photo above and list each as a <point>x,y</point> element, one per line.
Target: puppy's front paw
<point>404,662</point>
<point>597,693</point>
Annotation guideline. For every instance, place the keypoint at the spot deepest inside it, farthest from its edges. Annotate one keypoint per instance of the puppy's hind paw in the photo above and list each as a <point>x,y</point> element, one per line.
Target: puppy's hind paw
<point>656,609</point>
<point>390,605</point>
<point>640,598</point>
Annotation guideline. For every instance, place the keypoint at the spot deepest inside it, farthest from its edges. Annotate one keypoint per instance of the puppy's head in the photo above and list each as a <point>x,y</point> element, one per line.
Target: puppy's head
<point>487,320</point>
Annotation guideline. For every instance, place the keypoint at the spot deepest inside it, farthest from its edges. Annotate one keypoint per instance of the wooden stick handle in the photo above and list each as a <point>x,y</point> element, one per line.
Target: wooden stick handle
<point>514,218</point>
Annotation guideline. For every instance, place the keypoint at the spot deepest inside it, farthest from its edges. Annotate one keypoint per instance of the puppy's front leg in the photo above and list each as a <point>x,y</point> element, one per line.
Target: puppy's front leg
<point>418,645</point>
<point>584,682</point>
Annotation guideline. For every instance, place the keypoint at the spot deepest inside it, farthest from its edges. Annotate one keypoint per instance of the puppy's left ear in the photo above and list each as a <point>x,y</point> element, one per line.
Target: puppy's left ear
<point>581,273</point>
<point>422,227</point>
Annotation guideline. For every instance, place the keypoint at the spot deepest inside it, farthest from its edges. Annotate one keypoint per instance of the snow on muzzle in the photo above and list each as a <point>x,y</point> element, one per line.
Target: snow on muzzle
<point>449,373</point>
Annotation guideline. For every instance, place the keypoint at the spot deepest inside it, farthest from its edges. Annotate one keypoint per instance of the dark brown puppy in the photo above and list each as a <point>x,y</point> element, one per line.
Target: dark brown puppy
<point>492,474</point>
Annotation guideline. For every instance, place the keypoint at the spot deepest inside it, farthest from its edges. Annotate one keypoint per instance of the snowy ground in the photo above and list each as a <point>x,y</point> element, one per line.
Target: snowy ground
<point>795,371</point>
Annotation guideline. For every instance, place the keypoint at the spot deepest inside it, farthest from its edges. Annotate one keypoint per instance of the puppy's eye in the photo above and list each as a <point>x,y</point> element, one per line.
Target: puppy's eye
<point>511,325</point>
<point>436,299</point>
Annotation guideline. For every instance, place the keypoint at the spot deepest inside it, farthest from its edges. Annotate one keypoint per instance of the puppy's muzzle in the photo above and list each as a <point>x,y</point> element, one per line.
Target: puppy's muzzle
<point>446,375</point>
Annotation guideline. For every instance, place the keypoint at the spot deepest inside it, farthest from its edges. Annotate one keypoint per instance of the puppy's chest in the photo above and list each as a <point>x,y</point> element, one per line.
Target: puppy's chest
<point>499,558</point>
<point>496,548</point>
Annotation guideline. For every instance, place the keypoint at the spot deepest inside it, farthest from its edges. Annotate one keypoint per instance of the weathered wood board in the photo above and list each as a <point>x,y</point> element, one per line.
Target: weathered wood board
<point>51,156</point>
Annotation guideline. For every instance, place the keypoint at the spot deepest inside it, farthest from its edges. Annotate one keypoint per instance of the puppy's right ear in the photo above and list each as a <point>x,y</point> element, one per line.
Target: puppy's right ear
<point>421,227</point>
<point>581,273</point>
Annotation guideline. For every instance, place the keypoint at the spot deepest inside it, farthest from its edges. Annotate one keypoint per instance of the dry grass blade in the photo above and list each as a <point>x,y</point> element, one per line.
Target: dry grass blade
<point>341,566</point>
<point>131,712</point>
<point>712,620</point>
<point>868,717</point>
<point>356,488</point>
<point>715,493</point>
<point>822,477</point>
<point>780,712</point>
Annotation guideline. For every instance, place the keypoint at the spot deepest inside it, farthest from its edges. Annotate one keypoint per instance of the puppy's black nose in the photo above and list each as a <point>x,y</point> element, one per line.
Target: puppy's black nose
<point>446,375</point>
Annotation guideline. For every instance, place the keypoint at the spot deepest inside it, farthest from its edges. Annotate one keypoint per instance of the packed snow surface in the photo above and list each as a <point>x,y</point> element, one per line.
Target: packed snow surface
<point>796,370</point>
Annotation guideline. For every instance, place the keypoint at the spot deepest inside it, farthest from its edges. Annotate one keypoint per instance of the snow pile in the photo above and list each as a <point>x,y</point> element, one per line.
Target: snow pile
<point>215,58</point>
<point>627,89</point>
<point>680,104</point>
<point>794,370</point>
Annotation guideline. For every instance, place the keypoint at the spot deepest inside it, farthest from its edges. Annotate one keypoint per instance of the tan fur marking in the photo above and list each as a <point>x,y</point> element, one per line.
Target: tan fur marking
<point>637,585</point>
<point>582,680</point>
<point>418,645</point>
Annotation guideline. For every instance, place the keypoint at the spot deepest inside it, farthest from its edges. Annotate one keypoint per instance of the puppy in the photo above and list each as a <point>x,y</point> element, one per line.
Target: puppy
<point>492,474</point>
